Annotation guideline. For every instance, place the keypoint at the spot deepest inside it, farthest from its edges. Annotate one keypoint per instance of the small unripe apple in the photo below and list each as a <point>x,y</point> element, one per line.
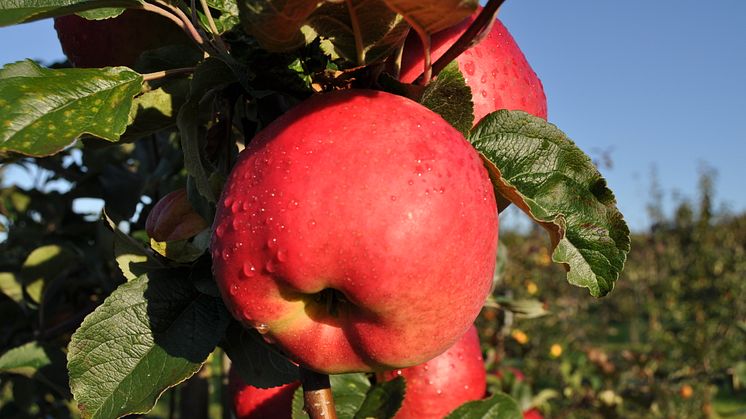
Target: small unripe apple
<point>173,218</point>
<point>115,41</point>
<point>439,386</point>
<point>357,232</point>
<point>251,402</point>
<point>495,69</point>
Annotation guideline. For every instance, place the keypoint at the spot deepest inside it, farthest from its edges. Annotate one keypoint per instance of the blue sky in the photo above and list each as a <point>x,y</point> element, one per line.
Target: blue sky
<point>653,84</point>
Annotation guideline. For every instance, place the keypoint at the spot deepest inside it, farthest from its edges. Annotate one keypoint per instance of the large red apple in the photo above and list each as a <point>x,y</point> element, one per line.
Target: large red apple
<point>439,386</point>
<point>116,41</point>
<point>251,402</point>
<point>495,69</point>
<point>357,232</point>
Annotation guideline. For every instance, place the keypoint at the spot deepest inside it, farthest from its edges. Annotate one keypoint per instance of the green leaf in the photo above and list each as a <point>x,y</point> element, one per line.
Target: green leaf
<point>25,360</point>
<point>363,32</point>
<point>349,392</point>
<point>156,109</point>
<point>525,309</point>
<point>44,264</point>
<point>11,286</point>
<point>42,110</point>
<point>499,406</point>
<point>228,14</point>
<point>149,335</point>
<point>535,166</point>
<point>210,76</point>
<point>18,11</point>
<point>132,258</point>
<point>383,400</point>
<point>432,16</point>
<point>276,24</point>
<point>41,362</point>
<point>256,362</point>
<point>450,97</point>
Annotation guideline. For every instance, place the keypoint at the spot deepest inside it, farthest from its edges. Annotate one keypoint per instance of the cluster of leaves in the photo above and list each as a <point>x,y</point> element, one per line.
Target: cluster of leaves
<point>670,342</point>
<point>177,119</point>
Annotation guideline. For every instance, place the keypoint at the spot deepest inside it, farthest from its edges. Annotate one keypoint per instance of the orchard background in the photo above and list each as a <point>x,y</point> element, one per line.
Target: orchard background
<point>668,342</point>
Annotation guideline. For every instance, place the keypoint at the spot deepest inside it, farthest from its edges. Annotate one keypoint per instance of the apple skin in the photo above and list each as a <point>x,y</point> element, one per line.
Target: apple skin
<point>495,69</point>
<point>373,196</point>
<point>173,218</point>
<point>117,41</point>
<point>251,402</point>
<point>439,386</point>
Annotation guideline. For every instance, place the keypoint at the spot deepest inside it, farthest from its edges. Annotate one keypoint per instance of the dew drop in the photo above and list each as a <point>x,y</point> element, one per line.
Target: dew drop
<point>312,223</point>
<point>469,67</point>
<point>249,270</point>
<point>235,207</point>
<point>234,290</point>
<point>282,255</point>
<point>393,197</point>
<point>262,328</point>
<point>438,392</point>
<point>272,243</point>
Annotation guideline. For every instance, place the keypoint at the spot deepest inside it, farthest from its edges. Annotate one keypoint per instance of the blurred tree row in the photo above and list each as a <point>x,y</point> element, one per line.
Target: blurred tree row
<point>669,341</point>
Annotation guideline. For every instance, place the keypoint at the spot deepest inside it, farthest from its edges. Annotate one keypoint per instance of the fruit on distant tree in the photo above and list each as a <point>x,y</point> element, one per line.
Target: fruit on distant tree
<point>115,41</point>
<point>251,402</point>
<point>533,413</point>
<point>358,232</point>
<point>173,218</point>
<point>439,386</point>
<point>495,69</point>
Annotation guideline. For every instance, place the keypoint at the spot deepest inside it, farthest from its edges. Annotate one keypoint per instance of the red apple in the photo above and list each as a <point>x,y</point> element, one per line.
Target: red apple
<point>532,413</point>
<point>116,41</point>
<point>173,218</point>
<point>495,69</point>
<point>251,402</point>
<point>357,232</point>
<point>439,386</point>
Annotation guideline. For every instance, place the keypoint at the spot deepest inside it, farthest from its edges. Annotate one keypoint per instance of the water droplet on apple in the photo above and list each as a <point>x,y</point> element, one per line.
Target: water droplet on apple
<point>469,67</point>
<point>393,197</point>
<point>235,207</point>
<point>438,392</point>
<point>484,78</point>
<point>426,367</point>
<point>282,255</point>
<point>398,372</point>
<point>220,230</point>
<point>249,270</point>
<point>410,182</point>
<point>483,93</point>
<point>312,223</point>
<point>234,290</point>
<point>262,328</point>
<point>272,243</point>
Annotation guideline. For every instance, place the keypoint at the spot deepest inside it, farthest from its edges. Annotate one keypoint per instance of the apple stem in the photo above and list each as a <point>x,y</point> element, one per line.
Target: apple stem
<point>177,16</point>
<point>166,73</point>
<point>482,22</point>
<point>214,29</point>
<point>317,395</point>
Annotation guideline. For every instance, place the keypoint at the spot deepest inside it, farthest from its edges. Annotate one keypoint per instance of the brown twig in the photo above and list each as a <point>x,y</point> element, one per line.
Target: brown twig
<point>485,18</point>
<point>166,73</point>
<point>317,395</point>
